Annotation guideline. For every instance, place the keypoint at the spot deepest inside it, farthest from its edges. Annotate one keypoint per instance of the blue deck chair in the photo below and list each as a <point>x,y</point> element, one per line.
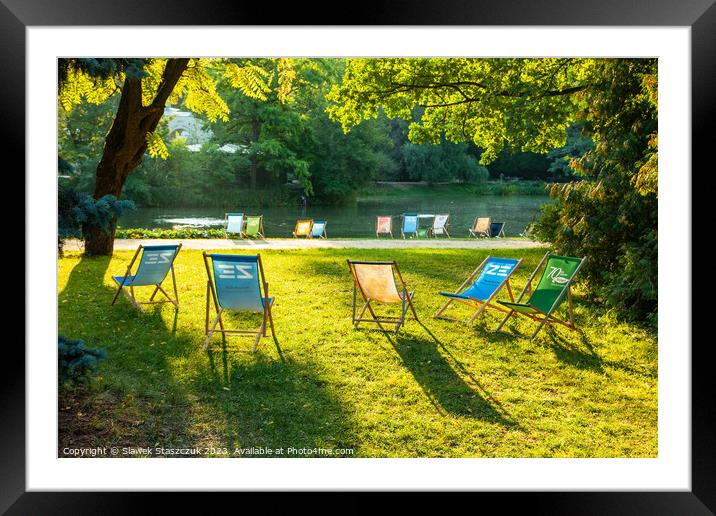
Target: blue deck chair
<point>238,283</point>
<point>318,230</point>
<point>234,224</point>
<point>497,229</point>
<point>156,262</point>
<point>482,286</point>
<point>410,225</point>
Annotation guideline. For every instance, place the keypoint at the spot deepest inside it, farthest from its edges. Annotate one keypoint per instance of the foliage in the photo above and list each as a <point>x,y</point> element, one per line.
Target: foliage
<point>439,390</point>
<point>75,361</point>
<point>189,232</point>
<point>444,162</point>
<point>610,215</point>
<point>577,145</point>
<point>76,211</point>
<point>529,104</point>
<point>526,104</point>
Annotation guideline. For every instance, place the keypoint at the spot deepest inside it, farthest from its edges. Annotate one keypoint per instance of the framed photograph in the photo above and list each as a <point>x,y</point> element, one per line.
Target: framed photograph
<point>210,161</point>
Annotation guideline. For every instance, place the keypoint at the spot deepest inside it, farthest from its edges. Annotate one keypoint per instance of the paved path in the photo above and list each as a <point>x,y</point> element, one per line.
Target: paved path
<point>293,243</point>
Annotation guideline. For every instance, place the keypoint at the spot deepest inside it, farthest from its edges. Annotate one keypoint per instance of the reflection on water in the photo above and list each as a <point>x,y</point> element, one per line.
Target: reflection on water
<point>353,221</point>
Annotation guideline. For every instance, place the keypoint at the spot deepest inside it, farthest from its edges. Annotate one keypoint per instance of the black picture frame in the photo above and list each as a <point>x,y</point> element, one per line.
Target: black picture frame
<point>700,15</point>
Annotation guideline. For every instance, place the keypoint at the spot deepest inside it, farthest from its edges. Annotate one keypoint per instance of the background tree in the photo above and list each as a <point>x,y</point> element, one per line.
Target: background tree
<point>143,94</point>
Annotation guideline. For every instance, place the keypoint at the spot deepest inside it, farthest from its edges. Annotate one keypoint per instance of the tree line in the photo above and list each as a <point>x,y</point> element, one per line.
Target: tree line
<point>284,143</point>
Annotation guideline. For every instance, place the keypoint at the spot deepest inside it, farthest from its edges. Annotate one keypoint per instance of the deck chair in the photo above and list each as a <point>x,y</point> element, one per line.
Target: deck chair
<point>440,224</point>
<point>303,228</point>
<point>238,283</point>
<point>482,286</point>
<point>497,229</point>
<point>234,224</point>
<point>552,288</point>
<point>384,225</point>
<point>410,225</point>
<point>481,227</point>
<point>318,230</point>
<point>424,231</point>
<point>155,263</point>
<point>375,281</point>
<point>254,226</point>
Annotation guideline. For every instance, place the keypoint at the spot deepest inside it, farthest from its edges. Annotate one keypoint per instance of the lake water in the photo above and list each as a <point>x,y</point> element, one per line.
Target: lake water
<point>353,221</point>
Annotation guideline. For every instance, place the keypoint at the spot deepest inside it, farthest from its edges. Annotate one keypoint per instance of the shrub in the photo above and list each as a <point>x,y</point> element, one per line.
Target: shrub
<point>75,361</point>
<point>76,211</point>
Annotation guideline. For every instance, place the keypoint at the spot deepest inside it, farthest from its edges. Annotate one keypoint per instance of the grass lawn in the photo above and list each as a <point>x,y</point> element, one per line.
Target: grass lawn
<point>439,390</point>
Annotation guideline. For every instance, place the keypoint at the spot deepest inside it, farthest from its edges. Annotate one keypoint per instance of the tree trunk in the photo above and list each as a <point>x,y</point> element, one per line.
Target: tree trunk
<point>126,143</point>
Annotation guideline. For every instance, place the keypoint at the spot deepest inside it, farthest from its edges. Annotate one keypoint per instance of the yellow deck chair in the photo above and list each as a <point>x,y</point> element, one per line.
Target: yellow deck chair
<point>303,228</point>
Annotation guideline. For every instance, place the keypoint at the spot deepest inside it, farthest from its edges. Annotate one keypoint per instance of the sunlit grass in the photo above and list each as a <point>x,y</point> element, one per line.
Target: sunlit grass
<point>439,390</point>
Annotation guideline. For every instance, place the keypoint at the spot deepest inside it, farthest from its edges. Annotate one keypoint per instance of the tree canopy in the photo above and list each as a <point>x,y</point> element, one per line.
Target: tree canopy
<point>522,104</point>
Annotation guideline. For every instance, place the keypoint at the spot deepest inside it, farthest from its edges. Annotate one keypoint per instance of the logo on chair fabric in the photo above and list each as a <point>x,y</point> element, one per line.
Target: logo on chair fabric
<point>557,275</point>
<point>494,269</point>
<point>155,258</point>
<point>236,271</point>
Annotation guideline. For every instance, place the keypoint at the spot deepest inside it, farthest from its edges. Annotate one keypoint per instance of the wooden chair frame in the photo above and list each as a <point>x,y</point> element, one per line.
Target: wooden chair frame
<point>377,234</point>
<point>212,296</point>
<point>310,228</point>
<point>407,300</point>
<point>476,303</point>
<point>129,292</point>
<point>482,233</point>
<point>445,226</point>
<point>261,232</point>
<point>226,225</point>
<point>547,317</point>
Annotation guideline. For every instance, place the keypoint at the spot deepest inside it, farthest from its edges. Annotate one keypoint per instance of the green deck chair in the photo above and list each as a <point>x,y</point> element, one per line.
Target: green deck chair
<point>254,226</point>
<point>425,225</point>
<point>552,288</point>
<point>154,265</point>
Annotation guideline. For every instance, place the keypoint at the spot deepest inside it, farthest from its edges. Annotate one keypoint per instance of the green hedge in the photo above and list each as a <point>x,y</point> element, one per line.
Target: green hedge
<point>138,233</point>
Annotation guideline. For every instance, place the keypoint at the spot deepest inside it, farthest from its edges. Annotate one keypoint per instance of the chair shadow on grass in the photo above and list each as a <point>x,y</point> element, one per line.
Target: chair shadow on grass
<point>279,404</point>
<point>164,396</point>
<point>443,386</point>
<point>138,345</point>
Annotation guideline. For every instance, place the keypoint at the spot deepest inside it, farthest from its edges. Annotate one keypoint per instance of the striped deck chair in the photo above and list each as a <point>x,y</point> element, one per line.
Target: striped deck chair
<point>234,224</point>
<point>376,283</point>
<point>318,230</point>
<point>254,226</point>
<point>552,288</point>
<point>481,227</point>
<point>383,225</point>
<point>303,228</point>
<point>410,225</point>
<point>155,263</point>
<point>482,286</point>
<point>237,283</point>
<point>497,229</point>
<point>440,224</point>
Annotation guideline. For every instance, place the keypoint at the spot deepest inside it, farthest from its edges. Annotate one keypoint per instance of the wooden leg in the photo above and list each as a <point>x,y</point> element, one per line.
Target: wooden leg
<point>213,327</point>
<point>116,294</point>
<point>509,314</point>
<point>477,314</point>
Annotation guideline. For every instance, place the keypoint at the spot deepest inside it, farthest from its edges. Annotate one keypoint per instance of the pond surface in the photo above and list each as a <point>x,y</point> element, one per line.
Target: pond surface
<point>356,221</point>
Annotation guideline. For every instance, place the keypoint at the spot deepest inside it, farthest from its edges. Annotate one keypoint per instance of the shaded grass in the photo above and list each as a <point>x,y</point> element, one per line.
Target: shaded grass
<point>437,389</point>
